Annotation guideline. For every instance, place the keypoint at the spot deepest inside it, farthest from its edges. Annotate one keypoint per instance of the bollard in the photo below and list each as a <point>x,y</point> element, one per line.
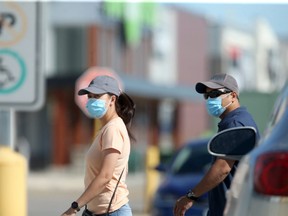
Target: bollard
<point>152,176</point>
<point>13,174</point>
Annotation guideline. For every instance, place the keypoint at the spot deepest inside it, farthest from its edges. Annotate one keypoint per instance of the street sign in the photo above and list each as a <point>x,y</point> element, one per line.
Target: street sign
<point>21,74</point>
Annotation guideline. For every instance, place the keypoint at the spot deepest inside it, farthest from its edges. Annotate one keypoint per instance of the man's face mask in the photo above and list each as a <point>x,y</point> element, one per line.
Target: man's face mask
<point>214,104</point>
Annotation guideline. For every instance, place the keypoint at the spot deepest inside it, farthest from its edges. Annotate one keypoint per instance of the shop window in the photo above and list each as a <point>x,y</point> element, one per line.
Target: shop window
<point>70,50</point>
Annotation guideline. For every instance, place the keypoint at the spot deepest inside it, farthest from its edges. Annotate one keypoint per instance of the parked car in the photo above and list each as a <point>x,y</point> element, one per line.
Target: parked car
<point>260,185</point>
<point>184,171</point>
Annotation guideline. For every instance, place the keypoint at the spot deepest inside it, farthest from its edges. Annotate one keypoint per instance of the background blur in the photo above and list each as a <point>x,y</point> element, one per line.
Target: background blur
<point>159,50</point>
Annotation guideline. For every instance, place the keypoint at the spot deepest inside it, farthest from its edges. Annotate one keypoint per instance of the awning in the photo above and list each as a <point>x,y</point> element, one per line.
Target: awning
<point>144,88</point>
<point>139,87</point>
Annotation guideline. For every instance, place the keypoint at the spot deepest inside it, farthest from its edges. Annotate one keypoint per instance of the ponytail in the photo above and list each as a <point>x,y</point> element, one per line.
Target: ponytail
<point>125,108</point>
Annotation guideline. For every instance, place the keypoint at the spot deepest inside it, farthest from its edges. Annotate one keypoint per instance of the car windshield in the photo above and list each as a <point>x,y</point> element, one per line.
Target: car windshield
<point>191,159</point>
<point>277,114</point>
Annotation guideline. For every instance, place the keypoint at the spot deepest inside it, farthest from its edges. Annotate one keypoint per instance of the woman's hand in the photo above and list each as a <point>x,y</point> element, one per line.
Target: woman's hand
<point>69,212</point>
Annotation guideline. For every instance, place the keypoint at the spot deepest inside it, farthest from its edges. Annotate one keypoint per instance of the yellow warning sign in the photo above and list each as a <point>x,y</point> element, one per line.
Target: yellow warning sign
<point>13,24</point>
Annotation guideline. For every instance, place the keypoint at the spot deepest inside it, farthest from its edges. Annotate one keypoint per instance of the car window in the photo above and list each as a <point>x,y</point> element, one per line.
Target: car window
<point>278,112</point>
<point>191,159</point>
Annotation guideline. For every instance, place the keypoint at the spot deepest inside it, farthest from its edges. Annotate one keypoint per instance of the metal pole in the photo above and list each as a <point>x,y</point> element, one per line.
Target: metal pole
<point>8,128</point>
<point>4,127</point>
<point>12,129</point>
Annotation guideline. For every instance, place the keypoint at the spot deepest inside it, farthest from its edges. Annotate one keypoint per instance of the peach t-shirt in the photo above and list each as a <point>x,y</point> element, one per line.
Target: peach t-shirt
<point>113,135</point>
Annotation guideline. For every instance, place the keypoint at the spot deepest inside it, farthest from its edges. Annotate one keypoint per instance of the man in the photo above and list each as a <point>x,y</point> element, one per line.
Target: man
<point>222,100</point>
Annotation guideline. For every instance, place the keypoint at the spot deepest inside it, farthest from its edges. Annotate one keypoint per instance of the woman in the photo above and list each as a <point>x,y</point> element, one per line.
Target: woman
<point>108,155</point>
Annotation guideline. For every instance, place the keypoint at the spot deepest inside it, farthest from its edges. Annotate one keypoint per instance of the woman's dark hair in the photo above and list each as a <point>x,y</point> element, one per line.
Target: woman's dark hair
<point>125,108</point>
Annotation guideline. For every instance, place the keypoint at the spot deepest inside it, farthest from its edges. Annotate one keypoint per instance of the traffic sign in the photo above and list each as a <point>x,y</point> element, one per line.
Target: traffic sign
<point>21,74</point>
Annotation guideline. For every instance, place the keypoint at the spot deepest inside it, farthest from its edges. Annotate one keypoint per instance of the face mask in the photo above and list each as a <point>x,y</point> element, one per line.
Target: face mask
<point>96,107</point>
<point>214,106</point>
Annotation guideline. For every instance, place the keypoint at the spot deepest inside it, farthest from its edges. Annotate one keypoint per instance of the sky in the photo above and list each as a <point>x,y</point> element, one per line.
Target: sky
<point>244,14</point>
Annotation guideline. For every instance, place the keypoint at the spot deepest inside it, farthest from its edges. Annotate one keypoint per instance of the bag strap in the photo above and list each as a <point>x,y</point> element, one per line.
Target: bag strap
<point>107,213</point>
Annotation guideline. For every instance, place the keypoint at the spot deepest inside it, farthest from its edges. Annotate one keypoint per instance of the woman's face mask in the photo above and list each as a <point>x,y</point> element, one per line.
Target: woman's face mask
<point>96,107</point>
<point>214,106</point>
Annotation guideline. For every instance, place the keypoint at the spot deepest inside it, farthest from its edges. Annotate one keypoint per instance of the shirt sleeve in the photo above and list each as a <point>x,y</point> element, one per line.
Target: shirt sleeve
<point>236,123</point>
<point>112,138</point>
<point>231,124</point>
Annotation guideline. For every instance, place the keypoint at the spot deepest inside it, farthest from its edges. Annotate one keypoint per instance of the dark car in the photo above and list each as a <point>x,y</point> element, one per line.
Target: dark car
<point>185,170</point>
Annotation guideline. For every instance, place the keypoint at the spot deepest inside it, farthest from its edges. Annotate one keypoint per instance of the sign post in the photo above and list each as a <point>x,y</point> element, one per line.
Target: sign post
<point>21,78</point>
<point>21,89</point>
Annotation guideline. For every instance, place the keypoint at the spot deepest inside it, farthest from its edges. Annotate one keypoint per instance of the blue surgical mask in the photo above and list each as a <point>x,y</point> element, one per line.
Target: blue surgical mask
<point>214,106</point>
<point>96,107</point>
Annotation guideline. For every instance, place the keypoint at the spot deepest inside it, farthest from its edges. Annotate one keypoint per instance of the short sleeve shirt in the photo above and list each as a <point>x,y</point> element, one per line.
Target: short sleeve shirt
<point>236,118</point>
<point>113,135</point>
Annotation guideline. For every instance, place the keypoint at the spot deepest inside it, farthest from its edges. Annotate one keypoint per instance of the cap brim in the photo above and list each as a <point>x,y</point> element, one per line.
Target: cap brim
<point>92,90</point>
<point>202,86</point>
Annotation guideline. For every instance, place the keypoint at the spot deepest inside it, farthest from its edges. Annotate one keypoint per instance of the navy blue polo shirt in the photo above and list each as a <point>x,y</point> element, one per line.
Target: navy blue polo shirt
<point>236,118</point>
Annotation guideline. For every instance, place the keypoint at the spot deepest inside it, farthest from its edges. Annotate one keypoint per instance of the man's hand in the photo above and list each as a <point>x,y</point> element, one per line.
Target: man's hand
<point>69,212</point>
<point>182,205</point>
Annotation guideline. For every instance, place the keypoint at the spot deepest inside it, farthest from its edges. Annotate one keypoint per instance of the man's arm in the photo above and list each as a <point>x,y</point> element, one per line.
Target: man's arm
<point>215,175</point>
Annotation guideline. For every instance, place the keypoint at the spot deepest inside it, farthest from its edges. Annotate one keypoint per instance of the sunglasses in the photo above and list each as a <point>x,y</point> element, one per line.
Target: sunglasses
<point>215,93</point>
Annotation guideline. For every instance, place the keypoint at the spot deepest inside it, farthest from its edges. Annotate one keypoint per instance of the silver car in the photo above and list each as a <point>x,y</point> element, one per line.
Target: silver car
<point>260,185</point>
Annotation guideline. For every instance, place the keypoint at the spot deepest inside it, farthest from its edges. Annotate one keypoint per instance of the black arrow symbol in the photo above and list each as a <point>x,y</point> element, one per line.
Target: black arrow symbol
<point>6,16</point>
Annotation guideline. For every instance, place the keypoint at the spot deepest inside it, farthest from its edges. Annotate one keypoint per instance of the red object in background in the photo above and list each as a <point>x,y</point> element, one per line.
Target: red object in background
<point>234,55</point>
<point>84,80</point>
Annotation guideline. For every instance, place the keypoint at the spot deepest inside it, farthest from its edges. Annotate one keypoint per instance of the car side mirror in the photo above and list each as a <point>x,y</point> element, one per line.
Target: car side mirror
<point>233,143</point>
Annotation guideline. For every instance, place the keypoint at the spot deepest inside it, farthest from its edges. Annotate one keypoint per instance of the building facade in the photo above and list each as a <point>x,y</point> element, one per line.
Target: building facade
<point>158,70</point>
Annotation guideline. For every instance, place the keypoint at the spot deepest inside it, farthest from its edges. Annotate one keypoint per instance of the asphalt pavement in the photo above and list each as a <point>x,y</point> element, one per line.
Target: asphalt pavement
<point>51,191</point>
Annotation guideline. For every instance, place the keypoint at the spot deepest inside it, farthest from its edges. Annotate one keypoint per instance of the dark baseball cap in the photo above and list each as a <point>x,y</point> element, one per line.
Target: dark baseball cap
<point>218,81</point>
<point>101,85</point>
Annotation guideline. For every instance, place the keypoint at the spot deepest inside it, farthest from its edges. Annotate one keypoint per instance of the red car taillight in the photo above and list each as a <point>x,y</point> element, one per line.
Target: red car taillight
<point>271,174</point>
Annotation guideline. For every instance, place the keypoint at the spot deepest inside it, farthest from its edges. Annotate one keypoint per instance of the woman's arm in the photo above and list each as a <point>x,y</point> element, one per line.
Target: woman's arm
<point>100,181</point>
